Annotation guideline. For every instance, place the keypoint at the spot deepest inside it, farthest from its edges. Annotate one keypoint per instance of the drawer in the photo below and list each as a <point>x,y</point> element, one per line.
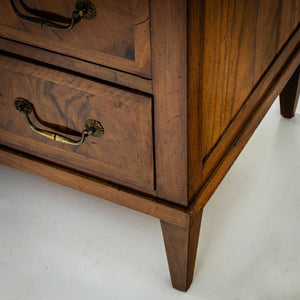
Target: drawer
<point>118,37</point>
<point>62,103</point>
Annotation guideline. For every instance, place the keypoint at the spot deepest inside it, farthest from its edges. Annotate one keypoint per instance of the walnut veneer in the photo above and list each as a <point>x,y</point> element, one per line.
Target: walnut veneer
<point>178,85</point>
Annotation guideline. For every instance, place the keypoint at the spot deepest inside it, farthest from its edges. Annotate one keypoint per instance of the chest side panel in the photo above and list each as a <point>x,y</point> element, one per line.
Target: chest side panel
<point>242,39</point>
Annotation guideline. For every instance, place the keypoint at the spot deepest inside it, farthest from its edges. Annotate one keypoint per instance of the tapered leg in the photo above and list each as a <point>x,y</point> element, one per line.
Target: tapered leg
<point>289,96</point>
<point>181,248</point>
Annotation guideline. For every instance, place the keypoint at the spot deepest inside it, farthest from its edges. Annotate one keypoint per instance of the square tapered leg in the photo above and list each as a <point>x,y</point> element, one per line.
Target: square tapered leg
<point>181,248</point>
<point>289,95</point>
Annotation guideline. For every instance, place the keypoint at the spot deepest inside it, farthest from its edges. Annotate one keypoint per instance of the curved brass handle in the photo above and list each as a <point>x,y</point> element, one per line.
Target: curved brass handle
<point>92,127</point>
<point>84,9</point>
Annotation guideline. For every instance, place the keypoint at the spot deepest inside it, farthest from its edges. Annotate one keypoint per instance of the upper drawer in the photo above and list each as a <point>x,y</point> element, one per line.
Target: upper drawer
<point>62,103</point>
<point>118,37</point>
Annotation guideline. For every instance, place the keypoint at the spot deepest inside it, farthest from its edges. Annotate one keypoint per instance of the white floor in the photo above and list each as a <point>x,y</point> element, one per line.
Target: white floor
<point>57,243</point>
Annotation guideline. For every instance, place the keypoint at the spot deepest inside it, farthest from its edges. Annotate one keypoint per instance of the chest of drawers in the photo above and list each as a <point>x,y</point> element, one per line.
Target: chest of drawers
<point>174,90</point>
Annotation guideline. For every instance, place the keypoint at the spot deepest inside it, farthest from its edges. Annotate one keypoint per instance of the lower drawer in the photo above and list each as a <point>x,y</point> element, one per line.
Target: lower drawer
<point>62,103</point>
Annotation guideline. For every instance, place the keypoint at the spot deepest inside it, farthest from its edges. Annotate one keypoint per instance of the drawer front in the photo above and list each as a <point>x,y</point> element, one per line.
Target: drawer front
<point>117,37</point>
<point>62,103</point>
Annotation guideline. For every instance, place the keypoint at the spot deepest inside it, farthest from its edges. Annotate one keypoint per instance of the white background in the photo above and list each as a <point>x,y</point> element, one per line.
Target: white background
<point>57,243</point>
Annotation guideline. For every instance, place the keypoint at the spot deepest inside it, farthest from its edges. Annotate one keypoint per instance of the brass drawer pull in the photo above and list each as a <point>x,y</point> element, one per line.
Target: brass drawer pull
<point>84,9</point>
<point>92,127</point>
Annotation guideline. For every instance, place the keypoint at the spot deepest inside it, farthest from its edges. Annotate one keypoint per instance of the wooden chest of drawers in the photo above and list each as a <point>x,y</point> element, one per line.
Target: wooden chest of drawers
<point>176,87</point>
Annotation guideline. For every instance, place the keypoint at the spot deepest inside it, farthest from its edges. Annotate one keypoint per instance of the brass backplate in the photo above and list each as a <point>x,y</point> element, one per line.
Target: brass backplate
<point>86,9</point>
<point>23,106</point>
<point>94,128</point>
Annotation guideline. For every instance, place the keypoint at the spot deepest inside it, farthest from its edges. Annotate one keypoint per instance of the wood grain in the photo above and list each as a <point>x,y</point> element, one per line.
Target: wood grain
<point>84,68</point>
<point>124,154</point>
<point>119,36</point>
<point>177,71</point>
<point>241,41</point>
<point>181,248</point>
<point>214,70</point>
<point>243,136</point>
<point>290,95</point>
<point>169,68</point>
<point>250,104</point>
<point>289,19</point>
<point>195,96</point>
<point>87,184</point>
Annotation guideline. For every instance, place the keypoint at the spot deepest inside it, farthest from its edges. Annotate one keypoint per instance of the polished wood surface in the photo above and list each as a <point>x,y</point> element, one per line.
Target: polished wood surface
<point>266,82</point>
<point>174,124</point>
<point>288,20</point>
<point>290,95</point>
<point>162,210</point>
<point>119,36</point>
<point>63,102</point>
<point>195,101</point>
<point>165,211</point>
<point>181,248</point>
<point>177,72</point>
<point>169,69</point>
<point>81,67</point>
<point>154,206</point>
<point>219,70</point>
<point>241,40</point>
<point>244,134</point>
